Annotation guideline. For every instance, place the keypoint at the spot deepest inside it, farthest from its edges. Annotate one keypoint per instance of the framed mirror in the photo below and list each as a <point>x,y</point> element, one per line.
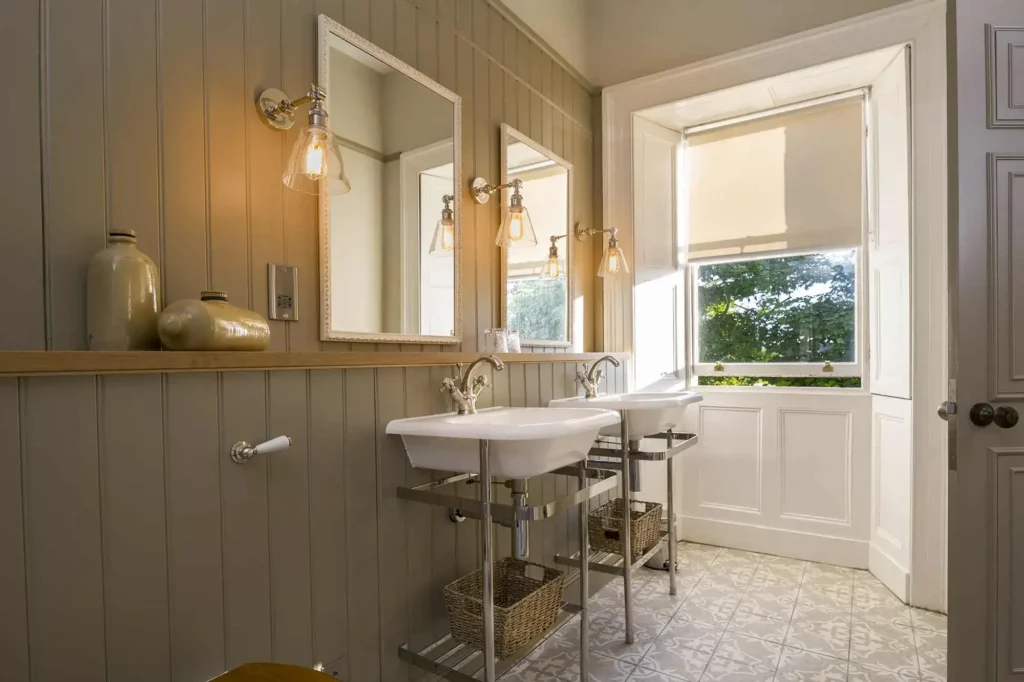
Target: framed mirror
<point>537,296</point>
<point>390,247</point>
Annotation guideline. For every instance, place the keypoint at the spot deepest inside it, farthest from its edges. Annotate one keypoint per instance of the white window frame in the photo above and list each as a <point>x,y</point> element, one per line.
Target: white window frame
<point>857,368</point>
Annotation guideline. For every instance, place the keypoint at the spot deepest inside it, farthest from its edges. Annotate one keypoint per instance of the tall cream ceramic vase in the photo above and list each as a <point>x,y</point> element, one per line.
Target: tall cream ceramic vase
<point>122,297</point>
<point>212,323</point>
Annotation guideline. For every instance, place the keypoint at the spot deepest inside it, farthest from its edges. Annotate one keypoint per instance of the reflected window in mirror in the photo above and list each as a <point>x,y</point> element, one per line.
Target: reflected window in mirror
<point>385,279</point>
<point>538,280</point>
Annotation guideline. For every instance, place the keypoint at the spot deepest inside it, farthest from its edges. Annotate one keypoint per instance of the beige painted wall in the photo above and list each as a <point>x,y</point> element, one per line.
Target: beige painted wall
<point>141,116</point>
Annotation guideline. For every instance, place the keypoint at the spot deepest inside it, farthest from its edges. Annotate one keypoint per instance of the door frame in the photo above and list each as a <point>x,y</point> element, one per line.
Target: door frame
<point>922,25</point>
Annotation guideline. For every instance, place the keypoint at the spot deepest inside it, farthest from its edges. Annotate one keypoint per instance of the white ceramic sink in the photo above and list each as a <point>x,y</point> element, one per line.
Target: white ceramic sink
<point>524,441</point>
<point>646,413</point>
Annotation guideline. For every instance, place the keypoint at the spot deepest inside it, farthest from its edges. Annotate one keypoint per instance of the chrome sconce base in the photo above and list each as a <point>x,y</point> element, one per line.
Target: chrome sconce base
<point>482,191</point>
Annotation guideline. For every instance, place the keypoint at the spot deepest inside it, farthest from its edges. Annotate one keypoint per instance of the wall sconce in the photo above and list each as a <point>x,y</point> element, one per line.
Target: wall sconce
<point>613,261</point>
<point>315,156</point>
<point>554,268</point>
<point>443,242</point>
<point>516,227</point>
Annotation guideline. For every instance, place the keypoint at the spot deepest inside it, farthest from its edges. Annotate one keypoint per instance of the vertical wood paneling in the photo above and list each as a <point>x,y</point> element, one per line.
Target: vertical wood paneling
<point>357,16</point>
<point>444,532</point>
<point>404,30</point>
<point>470,231</point>
<point>392,549</point>
<point>265,145</point>
<point>328,536</point>
<point>420,399</point>
<point>13,598</point>
<point>486,164</point>
<point>382,23</point>
<point>301,245</point>
<point>225,115</point>
<point>133,157</point>
<point>62,527</point>
<point>194,532</point>
<point>244,514</point>
<point>134,528</point>
<point>361,525</point>
<point>426,43</point>
<point>288,476</point>
<point>21,240</point>
<point>183,149</point>
<point>75,157</point>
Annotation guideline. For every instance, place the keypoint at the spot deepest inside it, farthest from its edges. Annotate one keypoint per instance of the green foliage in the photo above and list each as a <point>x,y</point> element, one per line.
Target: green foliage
<point>537,308</point>
<point>790,309</point>
<point>820,382</point>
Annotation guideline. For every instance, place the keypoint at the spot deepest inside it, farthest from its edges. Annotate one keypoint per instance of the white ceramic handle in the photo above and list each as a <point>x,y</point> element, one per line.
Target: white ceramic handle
<point>273,445</point>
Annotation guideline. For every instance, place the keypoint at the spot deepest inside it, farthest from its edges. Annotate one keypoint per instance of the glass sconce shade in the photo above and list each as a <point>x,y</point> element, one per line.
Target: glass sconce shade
<point>614,261</point>
<point>516,228</point>
<point>443,242</point>
<point>316,156</point>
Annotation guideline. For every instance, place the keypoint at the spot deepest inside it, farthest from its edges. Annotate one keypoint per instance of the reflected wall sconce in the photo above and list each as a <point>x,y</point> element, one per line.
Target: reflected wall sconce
<point>613,261</point>
<point>443,241</point>
<point>516,227</point>
<point>316,156</point>
<point>554,267</point>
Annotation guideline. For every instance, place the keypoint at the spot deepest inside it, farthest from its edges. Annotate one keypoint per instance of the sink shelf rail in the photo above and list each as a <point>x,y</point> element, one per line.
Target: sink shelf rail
<point>600,480</point>
<point>659,447</point>
<point>612,563</point>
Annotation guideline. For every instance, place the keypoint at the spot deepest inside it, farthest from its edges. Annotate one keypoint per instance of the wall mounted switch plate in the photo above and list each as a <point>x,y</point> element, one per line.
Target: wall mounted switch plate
<point>283,290</point>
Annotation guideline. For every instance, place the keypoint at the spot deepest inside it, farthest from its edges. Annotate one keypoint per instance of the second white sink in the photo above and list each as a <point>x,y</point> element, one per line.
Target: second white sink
<point>524,441</point>
<point>646,413</point>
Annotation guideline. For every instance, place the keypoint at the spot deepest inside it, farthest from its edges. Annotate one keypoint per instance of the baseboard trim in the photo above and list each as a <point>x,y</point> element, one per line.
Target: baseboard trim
<point>889,571</point>
<point>825,549</point>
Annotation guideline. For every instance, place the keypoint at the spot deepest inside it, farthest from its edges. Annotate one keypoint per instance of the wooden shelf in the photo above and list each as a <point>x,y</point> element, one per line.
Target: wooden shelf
<point>41,363</point>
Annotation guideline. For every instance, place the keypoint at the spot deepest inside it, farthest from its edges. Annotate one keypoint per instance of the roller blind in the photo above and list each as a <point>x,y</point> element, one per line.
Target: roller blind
<point>791,181</point>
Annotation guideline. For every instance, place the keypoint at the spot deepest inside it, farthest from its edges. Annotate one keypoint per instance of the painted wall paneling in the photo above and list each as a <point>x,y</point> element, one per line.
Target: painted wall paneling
<point>186,564</point>
<point>190,167</point>
<point>783,472</point>
<point>892,473</point>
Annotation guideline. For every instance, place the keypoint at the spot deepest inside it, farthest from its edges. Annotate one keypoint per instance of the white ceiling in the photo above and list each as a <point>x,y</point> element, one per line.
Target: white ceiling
<point>770,93</point>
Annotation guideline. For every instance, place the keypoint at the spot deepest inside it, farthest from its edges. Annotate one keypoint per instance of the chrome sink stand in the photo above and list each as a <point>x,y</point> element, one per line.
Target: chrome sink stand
<point>455,661</point>
<point>614,454</point>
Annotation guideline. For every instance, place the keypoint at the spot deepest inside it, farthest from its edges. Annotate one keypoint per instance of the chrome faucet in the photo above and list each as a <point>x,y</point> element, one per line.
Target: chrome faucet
<point>590,378</point>
<point>464,389</point>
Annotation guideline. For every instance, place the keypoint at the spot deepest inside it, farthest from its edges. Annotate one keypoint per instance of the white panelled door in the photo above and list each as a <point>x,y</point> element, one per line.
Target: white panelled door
<point>657,278</point>
<point>986,482</point>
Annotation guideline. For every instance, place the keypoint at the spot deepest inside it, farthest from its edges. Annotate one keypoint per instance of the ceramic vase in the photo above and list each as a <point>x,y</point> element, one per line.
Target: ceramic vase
<point>122,297</point>
<point>211,323</point>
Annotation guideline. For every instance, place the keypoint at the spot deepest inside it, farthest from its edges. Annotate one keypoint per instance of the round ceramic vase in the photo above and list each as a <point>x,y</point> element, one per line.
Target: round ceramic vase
<point>211,323</point>
<point>122,297</point>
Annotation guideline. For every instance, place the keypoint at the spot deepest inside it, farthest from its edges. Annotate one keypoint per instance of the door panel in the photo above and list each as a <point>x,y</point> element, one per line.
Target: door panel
<point>986,156</point>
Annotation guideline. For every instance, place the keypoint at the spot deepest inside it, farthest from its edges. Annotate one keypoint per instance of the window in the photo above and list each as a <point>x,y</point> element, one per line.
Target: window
<point>782,316</point>
<point>536,307</point>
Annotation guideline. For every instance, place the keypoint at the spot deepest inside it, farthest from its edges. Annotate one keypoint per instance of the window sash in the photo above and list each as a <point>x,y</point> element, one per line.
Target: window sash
<point>779,369</point>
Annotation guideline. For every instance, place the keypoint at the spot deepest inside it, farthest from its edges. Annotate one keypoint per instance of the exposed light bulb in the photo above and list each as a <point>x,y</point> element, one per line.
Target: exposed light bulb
<point>551,268</point>
<point>515,226</point>
<point>613,262</point>
<point>448,236</point>
<point>315,161</point>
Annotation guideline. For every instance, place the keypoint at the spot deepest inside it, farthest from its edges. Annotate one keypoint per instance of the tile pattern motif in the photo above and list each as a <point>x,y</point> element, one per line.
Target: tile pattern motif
<point>746,617</point>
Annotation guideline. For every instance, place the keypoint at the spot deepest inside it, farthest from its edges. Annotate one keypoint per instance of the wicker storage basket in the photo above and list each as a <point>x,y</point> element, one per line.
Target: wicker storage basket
<point>604,527</point>
<point>524,606</point>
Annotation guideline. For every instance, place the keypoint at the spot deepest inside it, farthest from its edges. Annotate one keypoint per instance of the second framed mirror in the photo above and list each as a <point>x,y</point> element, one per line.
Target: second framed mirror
<point>537,291</point>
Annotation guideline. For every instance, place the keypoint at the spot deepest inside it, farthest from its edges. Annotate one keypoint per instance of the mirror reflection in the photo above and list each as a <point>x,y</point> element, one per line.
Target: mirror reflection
<point>391,242</point>
<point>537,299</point>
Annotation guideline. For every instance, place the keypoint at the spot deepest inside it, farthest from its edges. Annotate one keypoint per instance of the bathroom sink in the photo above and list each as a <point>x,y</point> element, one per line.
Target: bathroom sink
<point>646,413</point>
<point>524,441</point>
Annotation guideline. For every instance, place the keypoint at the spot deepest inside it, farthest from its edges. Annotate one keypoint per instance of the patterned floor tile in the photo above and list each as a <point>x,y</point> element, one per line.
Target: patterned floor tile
<point>931,653</point>
<point>928,620</point>
<point>726,670</point>
<point>797,665</point>
<point>678,661</point>
<point>642,674</point>
<point>861,673</point>
<point>769,601</point>
<point>717,612</point>
<point>691,635</point>
<point>756,653</point>
<point>883,646</point>
<point>829,639</point>
<point>601,669</point>
<point>756,625</point>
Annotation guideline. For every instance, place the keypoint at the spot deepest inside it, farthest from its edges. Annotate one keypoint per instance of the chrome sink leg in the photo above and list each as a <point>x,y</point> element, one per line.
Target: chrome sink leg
<point>671,522</point>
<point>487,560</point>
<point>584,579</point>
<point>627,557</point>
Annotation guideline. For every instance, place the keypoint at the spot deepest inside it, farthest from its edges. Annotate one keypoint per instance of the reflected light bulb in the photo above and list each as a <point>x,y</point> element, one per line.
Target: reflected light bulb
<point>515,226</point>
<point>315,162</point>
<point>448,236</point>
<point>551,268</point>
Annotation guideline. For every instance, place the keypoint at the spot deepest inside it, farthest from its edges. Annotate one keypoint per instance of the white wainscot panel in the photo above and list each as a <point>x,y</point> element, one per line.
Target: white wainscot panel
<point>815,465</point>
<point>891,452</point>
<point>729,465</point>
